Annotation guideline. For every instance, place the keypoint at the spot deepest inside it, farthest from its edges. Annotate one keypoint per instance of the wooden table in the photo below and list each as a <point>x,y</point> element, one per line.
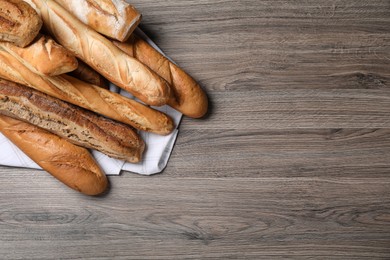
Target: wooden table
<point>293,159</point>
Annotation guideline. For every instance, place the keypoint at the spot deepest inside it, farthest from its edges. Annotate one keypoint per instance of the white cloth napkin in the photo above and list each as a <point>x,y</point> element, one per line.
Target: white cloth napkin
<point>155,159</point>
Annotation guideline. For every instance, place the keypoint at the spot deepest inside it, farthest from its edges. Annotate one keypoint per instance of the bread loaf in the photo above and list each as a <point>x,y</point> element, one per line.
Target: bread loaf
<point>102,55</point>
<point>44,56</point>
<point>189,98</point>
<point>75,124</point>
<point>19,22</point>
<point>88,96</point>
<point>85,73</point>
<point>70,164</point>
<point>116,19</point>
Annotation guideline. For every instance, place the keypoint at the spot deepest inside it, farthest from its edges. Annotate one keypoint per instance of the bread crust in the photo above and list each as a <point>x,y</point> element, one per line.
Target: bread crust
<point>88,96</point>
<point>87,74</point>
<point>70,122</point>
<point>102,55</point>
<point>71,164</point>
<point>116,19</point>
<point>19,22</point>
<point>189,98</point>
<point>44,56</point>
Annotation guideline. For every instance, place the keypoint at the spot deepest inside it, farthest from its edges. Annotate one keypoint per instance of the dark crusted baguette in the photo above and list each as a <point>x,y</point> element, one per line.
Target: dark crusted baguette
<point>73,123</point>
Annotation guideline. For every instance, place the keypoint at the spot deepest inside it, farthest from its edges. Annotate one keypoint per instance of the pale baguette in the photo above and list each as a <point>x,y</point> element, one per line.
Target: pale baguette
<point>44,56</point>
<point>102,55</point>
<point>116,19</point>
<point>189,99</point>
<point>71,122</point>
<point>19,23</point>
<point>71,164</point>
<point>88,96</point>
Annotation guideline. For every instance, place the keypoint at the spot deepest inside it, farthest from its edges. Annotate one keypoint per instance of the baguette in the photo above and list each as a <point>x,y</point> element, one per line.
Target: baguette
<point>102,55</point>
<point>72,165</point>
<point>116,19</point>
<point>189,99</point>
<point>70,122</point>
<point>88,96</point>
<point>87,74</point>
<point>44,56</point>
<point>19,23</point>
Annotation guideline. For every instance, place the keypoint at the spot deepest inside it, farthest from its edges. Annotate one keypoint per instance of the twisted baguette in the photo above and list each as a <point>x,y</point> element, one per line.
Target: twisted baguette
<point>88,96</point>
<point>102,55</point>
<point>71,164</point>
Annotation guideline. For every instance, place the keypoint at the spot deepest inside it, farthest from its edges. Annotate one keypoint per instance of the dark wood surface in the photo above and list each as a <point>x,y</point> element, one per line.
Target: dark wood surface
<point>293,160</point>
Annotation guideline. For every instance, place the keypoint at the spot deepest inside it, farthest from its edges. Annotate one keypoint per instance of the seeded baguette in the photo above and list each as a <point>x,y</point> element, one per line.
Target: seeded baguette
<point>71,164</point>
<point>68,121</point>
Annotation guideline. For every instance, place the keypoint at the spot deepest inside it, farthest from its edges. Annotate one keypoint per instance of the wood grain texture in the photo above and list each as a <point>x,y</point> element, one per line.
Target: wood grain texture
<point>292,162</point>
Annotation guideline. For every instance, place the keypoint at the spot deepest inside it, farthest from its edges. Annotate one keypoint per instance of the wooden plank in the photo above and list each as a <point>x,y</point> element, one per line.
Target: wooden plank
<point>284,109</point>
<point>281,153</point>
<point>278,44</point>
<point>292,162</point>
<point>184,218</point>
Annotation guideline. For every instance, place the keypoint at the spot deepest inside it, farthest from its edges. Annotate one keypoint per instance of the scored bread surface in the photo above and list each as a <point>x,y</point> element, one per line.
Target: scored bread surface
<point>19,22</point>
<point>78,125</point>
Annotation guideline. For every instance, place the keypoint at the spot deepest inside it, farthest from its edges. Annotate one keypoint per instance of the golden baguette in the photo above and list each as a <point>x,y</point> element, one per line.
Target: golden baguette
<point>88,96</point>
<point>116,19</point>
<point>71,164</point>
<point>43,56</point>
<point>102,55</point>
<point>189,99</point>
